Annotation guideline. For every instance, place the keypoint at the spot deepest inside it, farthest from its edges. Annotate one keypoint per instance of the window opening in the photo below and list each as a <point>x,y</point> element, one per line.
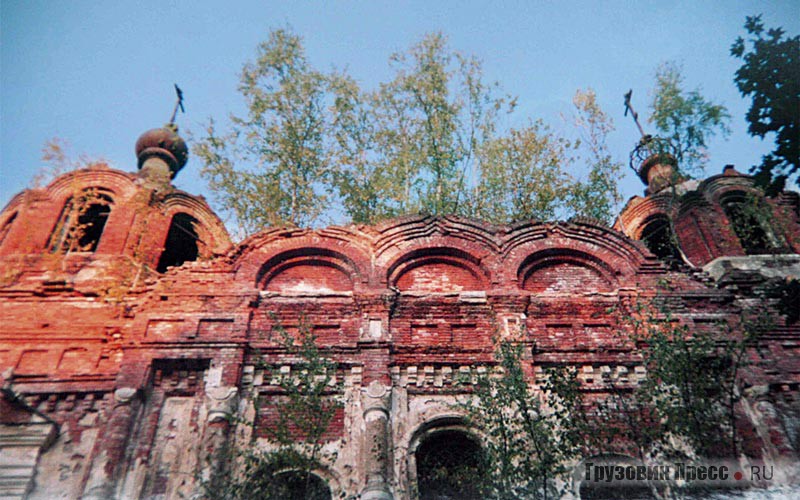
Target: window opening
<point>6,227</point>
<point>181,244</point>
<point>82,222</point>
<point>660,239</point>
<point>749,220</point>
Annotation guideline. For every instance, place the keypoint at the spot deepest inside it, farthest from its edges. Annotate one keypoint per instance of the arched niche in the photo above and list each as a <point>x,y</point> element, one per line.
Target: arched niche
<point>565,272</point>
<point>446,460</point>
<point>438,270</point>
<point>307,271</point>
<point>298,485</point>
<point>279,477</point>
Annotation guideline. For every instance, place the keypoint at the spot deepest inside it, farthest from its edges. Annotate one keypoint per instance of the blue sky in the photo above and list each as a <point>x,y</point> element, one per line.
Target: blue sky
<point>97,74</point>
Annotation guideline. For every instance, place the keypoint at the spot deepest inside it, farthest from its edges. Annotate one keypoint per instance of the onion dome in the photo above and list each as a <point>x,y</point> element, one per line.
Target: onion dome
<point>163,143</point>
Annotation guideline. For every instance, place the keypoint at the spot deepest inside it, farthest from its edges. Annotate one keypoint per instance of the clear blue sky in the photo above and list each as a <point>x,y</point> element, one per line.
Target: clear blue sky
<point>98,73</point>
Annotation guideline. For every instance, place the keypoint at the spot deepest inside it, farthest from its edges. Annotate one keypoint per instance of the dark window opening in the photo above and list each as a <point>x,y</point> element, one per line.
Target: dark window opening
<point>81,223</point>
<point>660,240</point>
<point>93,221</point>
<point>296,485</point>
<point>749,219</point>
<point>181,244</point>
<point>449,466</point>
<point>6,228</point>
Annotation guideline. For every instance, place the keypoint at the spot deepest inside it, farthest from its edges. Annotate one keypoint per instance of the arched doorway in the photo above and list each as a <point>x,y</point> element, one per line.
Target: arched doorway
<point>293,485</point>
<point>449,465</point>
<point>268,480</point>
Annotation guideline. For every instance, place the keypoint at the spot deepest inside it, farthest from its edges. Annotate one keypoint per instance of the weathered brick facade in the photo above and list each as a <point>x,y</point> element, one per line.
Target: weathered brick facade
<point>119,380</point>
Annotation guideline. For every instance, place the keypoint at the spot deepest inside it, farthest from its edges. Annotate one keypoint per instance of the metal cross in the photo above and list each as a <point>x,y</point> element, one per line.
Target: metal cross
<point>178,104</point>
<point>633,112</point>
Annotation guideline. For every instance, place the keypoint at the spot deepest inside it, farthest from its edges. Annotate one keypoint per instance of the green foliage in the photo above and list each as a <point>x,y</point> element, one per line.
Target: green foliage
<point>450,112</point>
<point>429,140</point>
<point>529,173</point>
<point>308,400</point>
<point>597,196</point>
<point>752,221</point>
<point>684,378</point>
<point>770,74</point>
<point>283,137</point>
<point>523,176</point>
<point>268,475</point>
<point>685,118</point>
<point>685,406</point>
<point>531,434</point>
<point>371,184</point>
<point>410,145</point>
<point>300,414</point>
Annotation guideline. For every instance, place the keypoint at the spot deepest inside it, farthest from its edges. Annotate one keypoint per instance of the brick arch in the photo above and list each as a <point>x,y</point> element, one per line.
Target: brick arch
<point>119,187</point>
<point>307,270</point>
<point>257,259</point>
<point>439,423</point>
<point>639,210</point>
<point>601,250</point>
<point>121,184</point>
<point>724,192</point>
<point>565,272</point>
<point>466,244</point>
<point>353,247</point>
<point>7,220</point>
<point>16,202</point>
<point>441,418</point>
<point>481,237</point>
<point>211,231</point>
<point>715,188</point>
<point>437,269</point>
<point>691,201</point>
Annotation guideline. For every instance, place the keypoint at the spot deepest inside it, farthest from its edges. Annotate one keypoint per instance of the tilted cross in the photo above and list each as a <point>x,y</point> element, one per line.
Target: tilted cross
<point>633,112</point>
<point>178,104</point>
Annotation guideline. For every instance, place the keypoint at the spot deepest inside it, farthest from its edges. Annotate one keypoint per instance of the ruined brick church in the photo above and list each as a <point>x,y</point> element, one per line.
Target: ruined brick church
<point>132,330</point>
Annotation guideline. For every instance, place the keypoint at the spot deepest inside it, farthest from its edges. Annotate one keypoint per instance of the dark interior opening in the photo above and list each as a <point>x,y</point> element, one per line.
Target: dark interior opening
<point>744,218</point>
<point>91,222</point>
<point>81,223</point>
<point>449,466</point>
<point>659,239</point>
<point>294,485</point>
<point>181,244</point>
